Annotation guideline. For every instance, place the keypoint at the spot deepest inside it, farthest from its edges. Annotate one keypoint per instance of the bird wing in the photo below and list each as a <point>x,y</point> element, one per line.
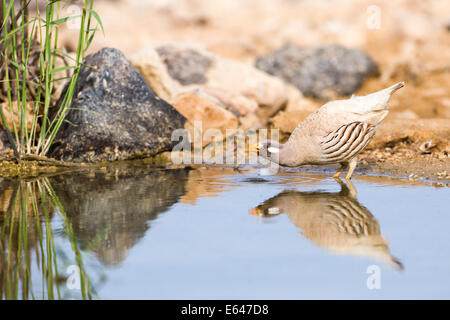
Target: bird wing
<point>345,142</point>
<point>340,129</point>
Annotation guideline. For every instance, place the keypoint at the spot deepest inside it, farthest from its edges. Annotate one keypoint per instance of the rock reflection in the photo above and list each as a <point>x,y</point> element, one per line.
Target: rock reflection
<point>110,210</point>
<point>105,212</point>
<point>335,221</point>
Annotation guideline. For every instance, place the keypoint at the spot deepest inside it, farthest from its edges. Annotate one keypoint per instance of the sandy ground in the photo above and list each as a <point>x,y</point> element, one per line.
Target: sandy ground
<point>409,39</point>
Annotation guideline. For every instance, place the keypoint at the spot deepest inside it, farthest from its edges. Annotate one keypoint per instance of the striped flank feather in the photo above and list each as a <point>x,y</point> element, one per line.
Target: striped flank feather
<point>350,218</point>
<point>347,141</point>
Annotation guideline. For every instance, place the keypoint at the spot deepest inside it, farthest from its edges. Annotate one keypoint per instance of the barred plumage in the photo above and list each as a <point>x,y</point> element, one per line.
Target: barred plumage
<point>335,133</point>
<point>347,141</point>
<point>336,221</point>
<point>350,219</point>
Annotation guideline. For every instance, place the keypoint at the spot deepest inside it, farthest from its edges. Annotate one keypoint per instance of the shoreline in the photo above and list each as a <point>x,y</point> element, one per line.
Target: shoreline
<point>371,163</point>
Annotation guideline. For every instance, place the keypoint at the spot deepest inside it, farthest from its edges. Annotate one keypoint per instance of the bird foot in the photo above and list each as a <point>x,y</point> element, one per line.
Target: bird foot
<point>347,189</point>
<point>338,173</point>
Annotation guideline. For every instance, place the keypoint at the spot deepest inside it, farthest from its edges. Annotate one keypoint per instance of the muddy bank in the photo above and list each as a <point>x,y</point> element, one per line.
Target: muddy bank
<point>401,164</point>
<point>404,163</point>
<point>34,166</point>
<point>396,156</point>
<point>416,149</point>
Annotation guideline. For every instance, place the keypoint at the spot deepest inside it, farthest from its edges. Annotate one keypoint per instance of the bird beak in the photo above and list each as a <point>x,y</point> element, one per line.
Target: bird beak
<point>254,212</point>
<point>253,148</point>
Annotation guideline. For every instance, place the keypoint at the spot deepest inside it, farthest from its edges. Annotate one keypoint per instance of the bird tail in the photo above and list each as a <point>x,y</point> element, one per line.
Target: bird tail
<point>376,101</point>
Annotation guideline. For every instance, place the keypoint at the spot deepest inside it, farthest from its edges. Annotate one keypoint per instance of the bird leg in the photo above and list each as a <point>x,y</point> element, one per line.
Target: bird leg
<point>347,190</point>
<point>344,165</point>
<point>351,166</point>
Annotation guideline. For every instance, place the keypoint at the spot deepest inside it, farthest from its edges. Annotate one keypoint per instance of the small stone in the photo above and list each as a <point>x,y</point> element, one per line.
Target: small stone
<point>426,146</point>
<point>198,108</point>
<point>185,65</point>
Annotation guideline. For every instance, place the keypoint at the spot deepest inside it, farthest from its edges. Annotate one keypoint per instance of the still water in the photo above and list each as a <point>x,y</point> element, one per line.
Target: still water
<point>218,233</point>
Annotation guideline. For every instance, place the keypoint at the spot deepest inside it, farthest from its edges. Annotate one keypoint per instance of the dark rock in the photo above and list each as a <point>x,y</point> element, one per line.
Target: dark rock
<point>185,65</point>
<point>110,211</point>
<point>323,72</point>
<point>114,114</point>
<point>5,146</point>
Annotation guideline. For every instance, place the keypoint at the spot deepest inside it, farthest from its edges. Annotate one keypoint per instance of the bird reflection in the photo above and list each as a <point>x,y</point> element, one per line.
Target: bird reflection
<point>335,221</point>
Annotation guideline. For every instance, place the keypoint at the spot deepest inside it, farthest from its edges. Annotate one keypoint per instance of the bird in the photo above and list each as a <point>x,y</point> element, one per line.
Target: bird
<point>335,221</point>
<point>334,134</point>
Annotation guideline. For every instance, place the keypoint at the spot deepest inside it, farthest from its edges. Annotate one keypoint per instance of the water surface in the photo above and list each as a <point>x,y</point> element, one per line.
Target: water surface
<point>219,233</point>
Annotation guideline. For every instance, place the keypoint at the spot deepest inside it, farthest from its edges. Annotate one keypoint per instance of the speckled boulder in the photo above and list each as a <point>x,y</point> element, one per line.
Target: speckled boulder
<point>114,114</point>
<point>323,72</point>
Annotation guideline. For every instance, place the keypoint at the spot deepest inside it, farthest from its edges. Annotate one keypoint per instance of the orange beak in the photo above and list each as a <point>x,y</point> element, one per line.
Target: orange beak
<point>254,212</point>
<point>253,148</point>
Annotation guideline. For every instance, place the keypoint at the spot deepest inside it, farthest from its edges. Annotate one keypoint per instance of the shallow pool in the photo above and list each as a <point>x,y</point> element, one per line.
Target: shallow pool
<point>219,233</point>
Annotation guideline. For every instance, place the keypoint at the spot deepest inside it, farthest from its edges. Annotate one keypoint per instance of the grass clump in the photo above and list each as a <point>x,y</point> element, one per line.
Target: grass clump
<point>29,70</point>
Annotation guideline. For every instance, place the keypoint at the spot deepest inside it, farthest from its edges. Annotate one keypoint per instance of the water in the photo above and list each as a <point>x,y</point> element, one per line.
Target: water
<point>217,233</point>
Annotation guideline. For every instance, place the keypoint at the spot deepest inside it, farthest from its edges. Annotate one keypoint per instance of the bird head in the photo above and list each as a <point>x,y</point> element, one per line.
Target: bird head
<point>265,211</point>
<point>267,149</point>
